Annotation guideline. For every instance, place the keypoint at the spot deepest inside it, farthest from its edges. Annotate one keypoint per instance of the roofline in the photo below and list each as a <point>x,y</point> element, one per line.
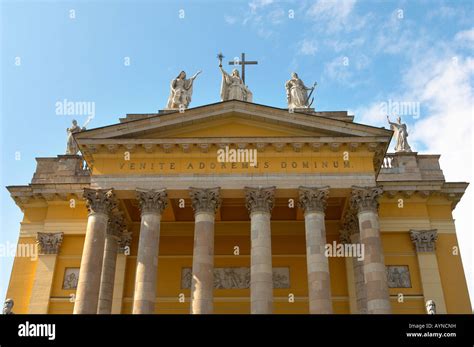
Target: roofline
<point>224,102</point>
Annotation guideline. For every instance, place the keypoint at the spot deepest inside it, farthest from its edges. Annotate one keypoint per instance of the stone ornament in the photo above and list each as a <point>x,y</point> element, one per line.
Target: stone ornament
<point>72,148</point>
<point>365,198</point>
<point>181,91</point>
<point>205,199</point>
<point>124,242</point>
<point>237,278</point>
<point>260,199</point>
<point>8,306</point>
<point>297,93</point>
<point>401,134</point>
<point>398,276</point>
<point>100,200</point>
<point>350,226</point>
<point>313,198</point>
<point>424,240</point>
<point>49,243</point>
<point>116,224</point>
<point>152,200</point>
<point>71,277</point>
<point>430,307</point>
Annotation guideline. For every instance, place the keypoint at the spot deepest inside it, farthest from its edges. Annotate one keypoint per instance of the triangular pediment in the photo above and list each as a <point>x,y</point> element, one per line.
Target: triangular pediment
<point>231,119</point>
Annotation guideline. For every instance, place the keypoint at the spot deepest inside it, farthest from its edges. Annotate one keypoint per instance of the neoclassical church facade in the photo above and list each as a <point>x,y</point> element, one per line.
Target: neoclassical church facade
<point>147,219</point>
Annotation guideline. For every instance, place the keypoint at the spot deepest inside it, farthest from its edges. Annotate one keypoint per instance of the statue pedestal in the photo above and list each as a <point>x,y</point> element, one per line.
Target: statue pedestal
<point>302,110</point>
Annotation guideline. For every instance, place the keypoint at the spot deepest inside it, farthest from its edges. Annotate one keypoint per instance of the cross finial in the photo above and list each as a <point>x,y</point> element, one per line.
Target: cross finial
<point>241,62</point>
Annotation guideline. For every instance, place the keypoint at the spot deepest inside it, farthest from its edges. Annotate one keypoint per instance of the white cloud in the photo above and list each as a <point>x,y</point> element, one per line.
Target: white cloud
<point>257,4</point>
<point>230,20</point>
<point>333,15</point>
<point>466,36</point>
<point>344,69</point>
<point>307,47</point>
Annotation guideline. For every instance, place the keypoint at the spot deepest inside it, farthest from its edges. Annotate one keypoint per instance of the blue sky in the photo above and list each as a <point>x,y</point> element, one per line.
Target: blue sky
<point>361,53</point>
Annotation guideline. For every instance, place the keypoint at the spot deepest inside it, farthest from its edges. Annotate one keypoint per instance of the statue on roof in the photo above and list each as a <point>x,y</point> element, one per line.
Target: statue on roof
<point>72,148</point>
<point>297,93</point>
<point>232,86</point>
<point>181,91</point>
<point>401,134</point>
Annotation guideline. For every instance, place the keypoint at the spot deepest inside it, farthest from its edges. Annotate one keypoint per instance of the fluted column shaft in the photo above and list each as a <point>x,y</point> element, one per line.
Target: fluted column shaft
<point>205,203</point>
<point>259,203</point>
<point>365,200</point>
<point>100,203</point>
<point>313,201</point>
<point>152,204</point>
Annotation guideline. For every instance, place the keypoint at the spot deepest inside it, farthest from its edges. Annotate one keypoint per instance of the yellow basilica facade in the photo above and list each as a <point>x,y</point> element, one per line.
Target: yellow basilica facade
<point>236,207</point>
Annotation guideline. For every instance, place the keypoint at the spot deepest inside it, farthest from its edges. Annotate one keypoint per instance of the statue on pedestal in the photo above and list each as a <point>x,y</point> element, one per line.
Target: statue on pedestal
<point>232,86</point>
<point>72,148</point>
<point>8,306</point>
<point>297,93</point>
<point>401,135</point>
<point>430,307</point>
<point>181,91</point>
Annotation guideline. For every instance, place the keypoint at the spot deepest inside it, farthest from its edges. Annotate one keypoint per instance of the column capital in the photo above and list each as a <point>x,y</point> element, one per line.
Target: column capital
<point>49,243</point>
<point>152,200</point>
<point>260,199</point>
<point>116,224</point>
<point>365,198</point>
<point>100,200</point>
<point>205,199</point>
<point>313,199</point>
<point>424,240</point>
<point>350,226</point>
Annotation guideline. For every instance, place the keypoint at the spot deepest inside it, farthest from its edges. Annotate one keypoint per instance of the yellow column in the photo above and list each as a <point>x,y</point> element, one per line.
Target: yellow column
<point>425,244</point>
<point>48,244</point>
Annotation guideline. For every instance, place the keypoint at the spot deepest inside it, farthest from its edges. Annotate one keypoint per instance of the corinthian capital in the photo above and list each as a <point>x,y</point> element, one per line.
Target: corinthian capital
<point>350,226</point>
<point>124,242</point>
<point>49,242</point>
<point>152,200</point>
<point>424,240</point>
<point>100,200</point>
<point>205,199</point>
<point>259,199</point>
<point>313,198</point>
<point>365,198</point>
<point>116,224</point>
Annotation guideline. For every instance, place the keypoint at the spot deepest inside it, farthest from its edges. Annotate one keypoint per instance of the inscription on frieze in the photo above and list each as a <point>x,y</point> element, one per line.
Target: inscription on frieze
<point>237,277</point>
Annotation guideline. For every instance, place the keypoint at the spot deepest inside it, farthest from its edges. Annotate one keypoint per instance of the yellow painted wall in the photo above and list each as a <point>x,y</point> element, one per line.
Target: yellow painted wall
<point>21,279</point>
<point>452,275</point>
